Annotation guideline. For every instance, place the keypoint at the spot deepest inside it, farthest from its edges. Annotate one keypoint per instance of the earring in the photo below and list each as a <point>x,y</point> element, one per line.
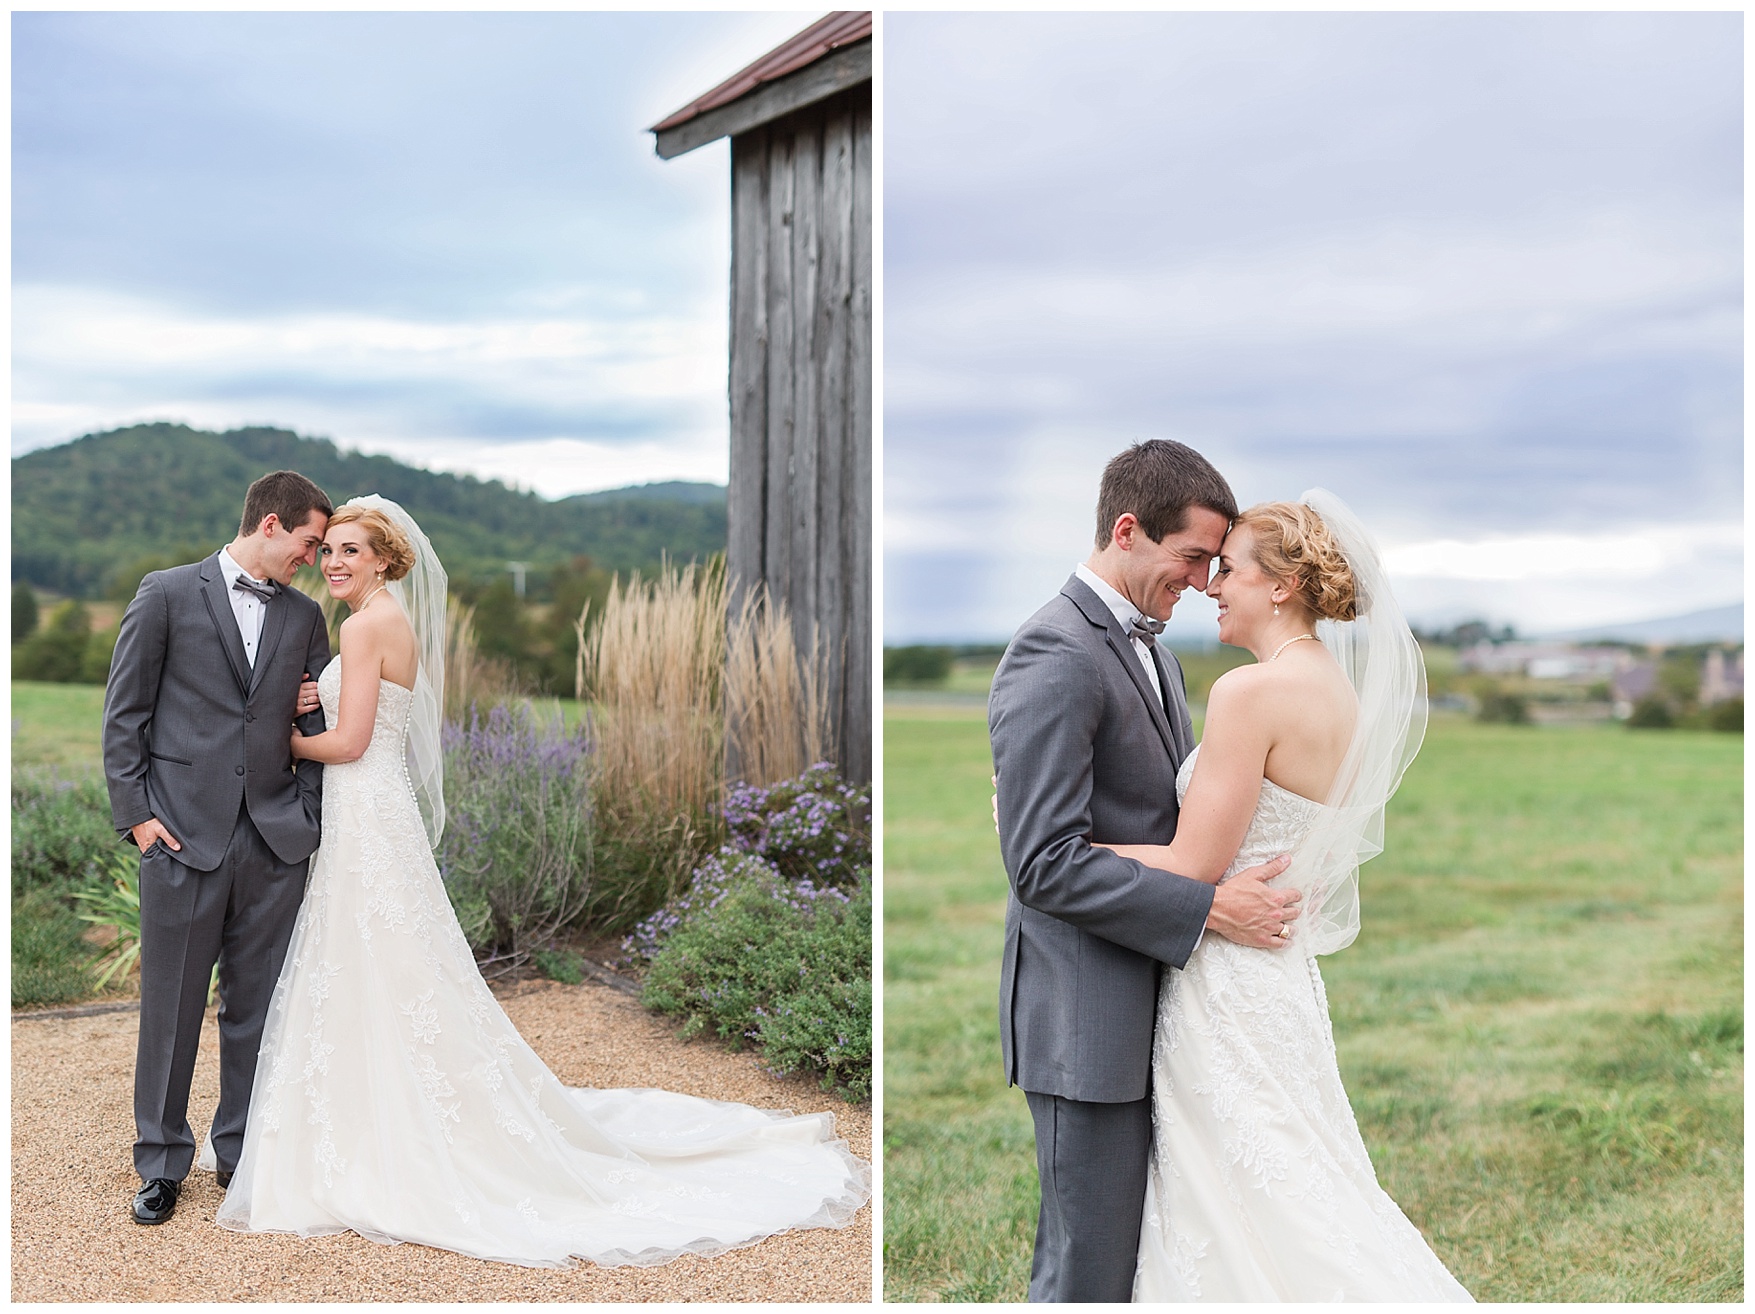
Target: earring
<point>1276,609</point>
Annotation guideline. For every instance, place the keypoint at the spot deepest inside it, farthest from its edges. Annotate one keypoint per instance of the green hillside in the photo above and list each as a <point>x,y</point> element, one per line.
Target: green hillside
<point>88,516</point>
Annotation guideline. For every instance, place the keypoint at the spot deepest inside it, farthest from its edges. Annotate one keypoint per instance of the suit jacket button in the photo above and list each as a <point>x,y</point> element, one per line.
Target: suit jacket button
<point>240,770</point>
<point>249,716</point>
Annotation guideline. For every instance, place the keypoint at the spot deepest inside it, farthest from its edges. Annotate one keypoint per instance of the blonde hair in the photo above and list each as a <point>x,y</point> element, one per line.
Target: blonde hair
<point>388,543</point>
<point>1292,543</point>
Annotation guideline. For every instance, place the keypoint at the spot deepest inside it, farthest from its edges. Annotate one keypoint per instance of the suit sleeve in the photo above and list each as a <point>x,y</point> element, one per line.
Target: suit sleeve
<point>309,775</point>
<point>130,699</point>
<point>1044,714</point>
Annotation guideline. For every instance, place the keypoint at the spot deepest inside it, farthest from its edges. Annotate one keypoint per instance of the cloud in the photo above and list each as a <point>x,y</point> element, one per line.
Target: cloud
<point>1478,273</point>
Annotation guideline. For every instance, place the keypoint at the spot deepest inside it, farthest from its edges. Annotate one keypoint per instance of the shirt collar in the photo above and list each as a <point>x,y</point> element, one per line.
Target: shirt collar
<point>1125,611</point>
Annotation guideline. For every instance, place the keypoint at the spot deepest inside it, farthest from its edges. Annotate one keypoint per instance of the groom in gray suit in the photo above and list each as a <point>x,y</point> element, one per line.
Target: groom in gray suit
<point>1089,723</point>
<point>203,691</point>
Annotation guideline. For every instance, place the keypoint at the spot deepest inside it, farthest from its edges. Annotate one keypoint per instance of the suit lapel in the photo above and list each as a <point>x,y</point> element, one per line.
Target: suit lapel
<point>1092,606</point>
<point>225,623</point>
<point>273,622</point>
<point>1176,698</point>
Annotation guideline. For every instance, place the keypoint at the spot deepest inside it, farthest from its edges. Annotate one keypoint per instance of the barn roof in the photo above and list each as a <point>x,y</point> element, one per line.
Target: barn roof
<point>828,56</point>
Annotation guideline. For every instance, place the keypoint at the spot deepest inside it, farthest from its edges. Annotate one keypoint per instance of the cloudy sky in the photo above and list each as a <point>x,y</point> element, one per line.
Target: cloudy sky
<point>442,236</point>
<point>1480,274</point>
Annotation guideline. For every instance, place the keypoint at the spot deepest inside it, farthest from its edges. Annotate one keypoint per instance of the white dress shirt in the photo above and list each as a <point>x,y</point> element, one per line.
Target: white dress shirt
<point>246,606</point>
<point>1127,614</point>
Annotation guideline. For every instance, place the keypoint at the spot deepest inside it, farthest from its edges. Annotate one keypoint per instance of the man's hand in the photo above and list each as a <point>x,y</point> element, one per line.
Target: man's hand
<point>153,829</point>
<point>308,700</point>
<point>1246,910</point>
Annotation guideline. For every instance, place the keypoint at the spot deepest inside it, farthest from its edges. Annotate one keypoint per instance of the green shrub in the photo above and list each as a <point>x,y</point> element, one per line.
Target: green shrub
<point>1502,707</point>
<point>24,612</point>
<point>1727,716</point>
<point>51,964</point>
<point>55,653</point>
<point>61,832</point>
<point>786,965</point>
<point>1651,713</point>
<point>918,664</point>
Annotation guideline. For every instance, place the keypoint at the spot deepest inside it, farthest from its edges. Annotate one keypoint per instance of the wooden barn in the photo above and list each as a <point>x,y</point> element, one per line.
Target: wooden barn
<point>800,497</point>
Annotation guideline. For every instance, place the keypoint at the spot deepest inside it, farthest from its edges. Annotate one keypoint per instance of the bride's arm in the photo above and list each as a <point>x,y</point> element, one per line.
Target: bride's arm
<point>1226,785</point>
<point>362,661</point>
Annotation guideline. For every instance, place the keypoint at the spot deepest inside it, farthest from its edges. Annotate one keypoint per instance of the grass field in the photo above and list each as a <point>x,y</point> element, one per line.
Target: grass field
<point>1540,1024</point>
<point>57,725</point>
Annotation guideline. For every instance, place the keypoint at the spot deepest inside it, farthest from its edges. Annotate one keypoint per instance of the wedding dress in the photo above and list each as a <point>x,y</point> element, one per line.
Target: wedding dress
<point>394,1098</point>
<point>1260,1187</point>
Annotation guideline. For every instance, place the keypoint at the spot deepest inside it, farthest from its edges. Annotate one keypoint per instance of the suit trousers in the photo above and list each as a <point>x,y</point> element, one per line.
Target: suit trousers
<point>241,915</point>
<point>1091,1161</point>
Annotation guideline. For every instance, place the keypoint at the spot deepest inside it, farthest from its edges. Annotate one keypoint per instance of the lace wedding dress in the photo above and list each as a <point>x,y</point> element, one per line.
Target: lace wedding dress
<point>395,1099</point>
<point>1260,1187</point>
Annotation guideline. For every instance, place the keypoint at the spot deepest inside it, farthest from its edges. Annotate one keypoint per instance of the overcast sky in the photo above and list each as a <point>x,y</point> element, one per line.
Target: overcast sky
<point>442,236</point>
<point>1479,274</point>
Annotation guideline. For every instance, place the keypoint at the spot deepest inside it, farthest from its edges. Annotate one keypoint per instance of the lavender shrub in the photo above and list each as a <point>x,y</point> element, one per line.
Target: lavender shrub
<point>517,850</point>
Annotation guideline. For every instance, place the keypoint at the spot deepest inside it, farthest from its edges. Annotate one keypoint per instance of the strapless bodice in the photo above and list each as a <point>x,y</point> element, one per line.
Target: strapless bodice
<point>1281,819</point>
<point>389,727</point>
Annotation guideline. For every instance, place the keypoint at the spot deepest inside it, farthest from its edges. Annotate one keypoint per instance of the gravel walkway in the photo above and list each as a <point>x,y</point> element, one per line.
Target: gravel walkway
<point>72,1180</point>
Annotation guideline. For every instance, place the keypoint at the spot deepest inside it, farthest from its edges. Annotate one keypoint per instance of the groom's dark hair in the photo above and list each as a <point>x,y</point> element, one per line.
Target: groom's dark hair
<point>286,494</point>
<point>1158,481</point>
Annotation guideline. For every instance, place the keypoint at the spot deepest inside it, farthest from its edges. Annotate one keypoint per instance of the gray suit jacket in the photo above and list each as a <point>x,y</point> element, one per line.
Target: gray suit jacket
<point>191,729</point>
<point>1085,752</point>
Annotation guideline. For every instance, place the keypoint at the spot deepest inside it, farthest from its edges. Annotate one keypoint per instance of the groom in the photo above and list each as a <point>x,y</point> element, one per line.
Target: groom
<point>198,719</point>
<point>1089,723</point>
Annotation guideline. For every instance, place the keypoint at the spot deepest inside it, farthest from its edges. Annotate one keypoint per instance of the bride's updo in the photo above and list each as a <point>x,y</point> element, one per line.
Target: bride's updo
<point>1293,544</point>
<point>389,543</point>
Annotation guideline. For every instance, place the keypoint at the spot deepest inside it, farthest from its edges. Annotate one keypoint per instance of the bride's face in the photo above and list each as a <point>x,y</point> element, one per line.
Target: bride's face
<point>1242,589</point>
<point>349,564</point>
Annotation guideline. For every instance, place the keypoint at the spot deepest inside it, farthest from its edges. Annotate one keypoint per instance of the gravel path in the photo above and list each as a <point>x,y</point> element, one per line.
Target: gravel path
<point>72,1180</point>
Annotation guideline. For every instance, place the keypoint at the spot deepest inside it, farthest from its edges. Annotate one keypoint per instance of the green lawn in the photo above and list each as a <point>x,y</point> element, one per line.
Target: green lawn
<point>1540,1024</point>
<point>57,725</point>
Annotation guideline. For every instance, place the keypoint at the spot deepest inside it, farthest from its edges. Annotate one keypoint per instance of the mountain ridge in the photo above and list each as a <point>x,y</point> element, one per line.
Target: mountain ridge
<point>148,492</point>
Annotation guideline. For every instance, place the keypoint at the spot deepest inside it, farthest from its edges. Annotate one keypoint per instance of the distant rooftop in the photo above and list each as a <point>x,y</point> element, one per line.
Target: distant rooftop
<point>838,45</point>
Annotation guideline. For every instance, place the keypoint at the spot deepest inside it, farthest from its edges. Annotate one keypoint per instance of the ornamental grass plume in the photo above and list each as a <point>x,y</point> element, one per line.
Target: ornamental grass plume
<point>776,694</point>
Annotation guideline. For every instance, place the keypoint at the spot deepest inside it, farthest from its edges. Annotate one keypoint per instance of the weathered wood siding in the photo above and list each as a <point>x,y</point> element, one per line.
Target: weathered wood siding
<point>800,497</point>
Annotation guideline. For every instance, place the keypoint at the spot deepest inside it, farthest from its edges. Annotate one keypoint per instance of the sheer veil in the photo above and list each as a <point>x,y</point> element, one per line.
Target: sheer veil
<point>1381,659</point>
<point>421,595</point>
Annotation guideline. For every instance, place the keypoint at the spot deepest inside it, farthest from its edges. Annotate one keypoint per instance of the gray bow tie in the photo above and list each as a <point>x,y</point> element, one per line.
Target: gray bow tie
<point>1145,628</point>
<point>262,588</point>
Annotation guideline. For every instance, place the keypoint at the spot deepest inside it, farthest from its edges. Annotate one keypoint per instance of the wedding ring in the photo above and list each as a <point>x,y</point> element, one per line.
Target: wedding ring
<point>1284,935</point>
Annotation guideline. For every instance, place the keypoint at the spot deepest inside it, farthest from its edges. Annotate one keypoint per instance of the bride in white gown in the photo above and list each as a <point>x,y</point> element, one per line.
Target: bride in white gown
<point>1260,1187</point>
<point>393,1097</point>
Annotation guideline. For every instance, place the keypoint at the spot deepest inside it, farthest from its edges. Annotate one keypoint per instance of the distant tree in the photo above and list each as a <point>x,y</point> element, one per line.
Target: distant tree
<point>55,653</point>
<point>94,666</point>
<point>501,627</point>
<point>917,664</point>
<point>571,585</point>
<point>1727,716</point>
<point>1651,713</point>
<point>1501,706</point>
<point>24,612</point>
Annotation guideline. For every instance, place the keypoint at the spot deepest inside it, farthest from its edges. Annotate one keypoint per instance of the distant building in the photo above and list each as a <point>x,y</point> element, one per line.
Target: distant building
<point>1721,679</point>
<point>1543,661</point>
<point>1638,679</point>
<point>799,504</point>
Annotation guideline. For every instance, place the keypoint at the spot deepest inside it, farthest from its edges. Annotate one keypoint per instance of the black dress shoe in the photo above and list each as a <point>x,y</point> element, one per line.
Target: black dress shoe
<point>223,1178</point>
<point>156,1201</point>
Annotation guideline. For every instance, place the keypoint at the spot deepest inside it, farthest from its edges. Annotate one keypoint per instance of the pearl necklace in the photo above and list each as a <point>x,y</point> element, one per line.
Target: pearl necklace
<point>375,592</point>
<point>1289,642</point>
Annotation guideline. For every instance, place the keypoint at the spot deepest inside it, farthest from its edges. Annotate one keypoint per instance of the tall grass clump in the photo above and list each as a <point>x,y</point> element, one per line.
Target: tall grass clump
<point>653,672</point>
<point>517,850</point>
<point>776,694</point>
<point>61,831</point>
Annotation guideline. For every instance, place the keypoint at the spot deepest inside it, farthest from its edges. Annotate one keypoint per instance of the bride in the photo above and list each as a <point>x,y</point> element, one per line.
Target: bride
<point>393,1097</point>
<point>1259,1186</point>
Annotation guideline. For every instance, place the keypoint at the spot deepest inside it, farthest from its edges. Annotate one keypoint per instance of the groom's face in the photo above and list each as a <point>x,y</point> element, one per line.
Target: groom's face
<point>285,550</point>
<point>1156,573</point>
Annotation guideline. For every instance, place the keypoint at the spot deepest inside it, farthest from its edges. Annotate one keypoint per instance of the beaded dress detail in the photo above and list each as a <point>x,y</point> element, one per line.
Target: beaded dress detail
<point>1260,1187</point>
<point>394,1098</point>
